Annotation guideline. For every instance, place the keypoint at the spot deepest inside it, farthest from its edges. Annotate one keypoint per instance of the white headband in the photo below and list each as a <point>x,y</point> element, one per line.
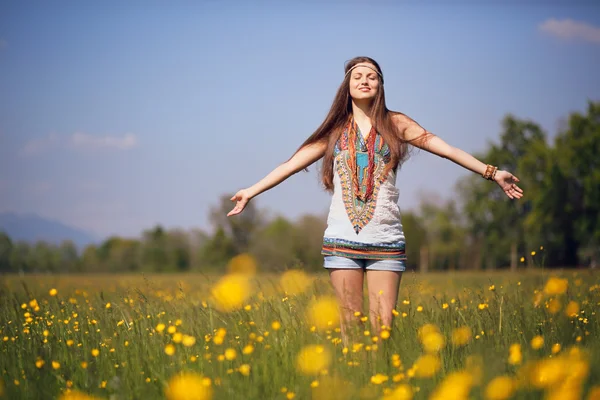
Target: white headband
<point>367,66</point>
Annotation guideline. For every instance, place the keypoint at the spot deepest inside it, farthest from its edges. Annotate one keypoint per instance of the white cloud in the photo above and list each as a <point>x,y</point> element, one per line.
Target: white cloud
<point>569,29</point>
<point>85,140</point>
<point>78,141</point>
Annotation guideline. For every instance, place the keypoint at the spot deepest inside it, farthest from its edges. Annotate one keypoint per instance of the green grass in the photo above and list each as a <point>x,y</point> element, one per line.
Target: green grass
<point>132,363</point>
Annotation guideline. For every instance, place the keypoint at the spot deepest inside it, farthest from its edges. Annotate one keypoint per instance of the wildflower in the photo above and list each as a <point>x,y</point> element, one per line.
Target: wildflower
<point>537,342</point>
<point>242,264</point>
<point>515,357</point>
<point>55,365</point>
<point>76,395</point>
<point>53,292</point>
<point>244,369</point>
<point>533,253</point>
<point>323,313</point>
<point>427,365</point>
<point>188,341</point>
<point>445,306</point>
<point>160,327</point>
<point>172,329</point>
<point>378,379</point>
<point>107,306</point>
<point>401,392</point>
<point>555,286</point>
<point>177,337</point>
<point>554,306</point>
<point>419,308</point>
<point>500,388</point>
<point>39,363</point>
<point>572,309</point>
<point>522,259</point>
<point>169,349</point>
<point>456,385</point>
<point>294,282</point>
<point>231,292</point>
<point>312,359</point>
<point>275,325</point>
<point>95,352</point>
<point>230,354</point>
<point>433,342</point>
<point>492,288</point>
<point>189,386</point>
<point>461,336</point>
<point>385,334</point>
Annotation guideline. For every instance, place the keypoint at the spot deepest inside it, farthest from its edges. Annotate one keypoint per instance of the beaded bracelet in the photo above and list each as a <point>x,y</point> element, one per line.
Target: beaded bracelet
<point>490,172</point>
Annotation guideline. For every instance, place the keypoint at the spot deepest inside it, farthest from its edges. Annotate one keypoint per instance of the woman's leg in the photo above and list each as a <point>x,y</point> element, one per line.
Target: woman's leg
<point>383,296</point>
<point>348,286</point>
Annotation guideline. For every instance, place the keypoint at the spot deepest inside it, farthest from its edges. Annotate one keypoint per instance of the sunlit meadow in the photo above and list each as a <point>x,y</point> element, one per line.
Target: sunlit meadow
<point>249,335</point>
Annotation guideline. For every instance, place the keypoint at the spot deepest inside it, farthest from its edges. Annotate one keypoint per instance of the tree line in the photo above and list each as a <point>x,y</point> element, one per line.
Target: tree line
<point>557,222</point>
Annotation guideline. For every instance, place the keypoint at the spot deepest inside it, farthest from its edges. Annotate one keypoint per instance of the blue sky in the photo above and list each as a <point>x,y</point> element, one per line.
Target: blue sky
<point>115,116</point>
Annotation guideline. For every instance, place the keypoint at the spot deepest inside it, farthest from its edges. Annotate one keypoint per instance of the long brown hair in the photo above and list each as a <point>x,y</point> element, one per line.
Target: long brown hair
<point>336,120</point>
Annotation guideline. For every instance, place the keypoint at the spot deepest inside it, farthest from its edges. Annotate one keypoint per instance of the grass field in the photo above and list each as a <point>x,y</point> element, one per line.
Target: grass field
<point>497,335</point>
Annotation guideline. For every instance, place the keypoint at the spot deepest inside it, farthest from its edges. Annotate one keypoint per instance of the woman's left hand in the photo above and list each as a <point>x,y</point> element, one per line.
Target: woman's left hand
<point>508,183</point>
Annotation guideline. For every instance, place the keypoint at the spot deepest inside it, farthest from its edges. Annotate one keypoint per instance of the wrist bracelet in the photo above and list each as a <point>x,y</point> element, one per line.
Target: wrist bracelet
<point>490,172</point>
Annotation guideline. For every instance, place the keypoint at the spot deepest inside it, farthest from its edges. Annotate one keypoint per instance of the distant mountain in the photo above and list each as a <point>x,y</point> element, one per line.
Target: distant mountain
<point>32,227</point>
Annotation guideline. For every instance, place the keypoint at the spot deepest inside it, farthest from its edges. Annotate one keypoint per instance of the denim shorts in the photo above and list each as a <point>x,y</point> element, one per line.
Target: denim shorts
<point>333,262</point>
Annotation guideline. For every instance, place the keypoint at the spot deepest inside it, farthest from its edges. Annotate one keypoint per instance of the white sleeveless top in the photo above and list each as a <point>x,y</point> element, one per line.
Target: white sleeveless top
<point>359,229</point>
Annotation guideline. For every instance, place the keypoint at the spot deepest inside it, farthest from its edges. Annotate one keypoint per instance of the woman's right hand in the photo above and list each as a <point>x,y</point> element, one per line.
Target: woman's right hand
<point>241,198</point>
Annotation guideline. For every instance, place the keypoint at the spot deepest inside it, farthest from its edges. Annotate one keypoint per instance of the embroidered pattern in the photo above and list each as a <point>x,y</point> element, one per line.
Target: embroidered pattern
<point>348,248</point>
<point>367,171</point>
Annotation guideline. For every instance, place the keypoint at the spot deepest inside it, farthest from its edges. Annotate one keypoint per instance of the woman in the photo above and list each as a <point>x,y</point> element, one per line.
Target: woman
<point>362,143</point>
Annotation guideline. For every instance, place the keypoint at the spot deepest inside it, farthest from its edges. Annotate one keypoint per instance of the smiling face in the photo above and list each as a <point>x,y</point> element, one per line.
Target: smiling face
<point>364,82</point>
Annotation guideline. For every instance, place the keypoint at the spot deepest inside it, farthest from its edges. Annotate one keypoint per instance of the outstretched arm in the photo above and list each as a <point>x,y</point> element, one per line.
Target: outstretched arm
<point>301,160</point>
<point>425,140</point>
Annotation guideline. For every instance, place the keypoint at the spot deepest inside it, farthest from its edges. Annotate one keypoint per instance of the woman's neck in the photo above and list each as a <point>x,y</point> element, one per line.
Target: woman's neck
<point>361,111</point>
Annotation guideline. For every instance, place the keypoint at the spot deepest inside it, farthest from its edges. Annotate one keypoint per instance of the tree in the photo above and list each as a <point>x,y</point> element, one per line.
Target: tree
<point>240,228</point>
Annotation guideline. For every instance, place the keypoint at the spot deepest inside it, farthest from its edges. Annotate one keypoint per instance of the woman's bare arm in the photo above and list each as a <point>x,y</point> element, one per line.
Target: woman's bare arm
<point>423,139</point>
<point>301,160</point>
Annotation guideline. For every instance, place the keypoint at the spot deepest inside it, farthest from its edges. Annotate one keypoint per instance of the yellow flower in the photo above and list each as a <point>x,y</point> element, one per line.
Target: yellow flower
<point>537,342</point>
<point>533,253</point>
<point>39,363</point>
<point>177,337</point>
<point>555,348</point>
<point>312,359</point>
<point>461,336</point>
<point>294,282</point>
<point>401,392</point>
<point>323,313</point>
<point>515,357</point>
<point>427,365</point>
<point>160,327</point>
<point>188,340</point>
<point>555,286</point>
<point>275,325</point>
<point>554,306</point>
<point>53,292</point>
<point>172,329</point>
<point>77,395</point>
<point>189,386</point>
<point>244,369</point>
<point>547,373</point>
<point>385,334</point>
<point>230,354</point>
<point>248,349</point>
<point>594,393</point>
<point>169,349</point>
<point>95,352</point>
<point>55,364</point>
<point>242,264</point>
<point>419,308</point>
<point>378,379</point>
<point>107,305</point>
<point>231,292</point>
<point>572,309</point>
<point>522,259</point>
<point>500,388</point>
<point>433,342</point>
<point>456,385</point>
